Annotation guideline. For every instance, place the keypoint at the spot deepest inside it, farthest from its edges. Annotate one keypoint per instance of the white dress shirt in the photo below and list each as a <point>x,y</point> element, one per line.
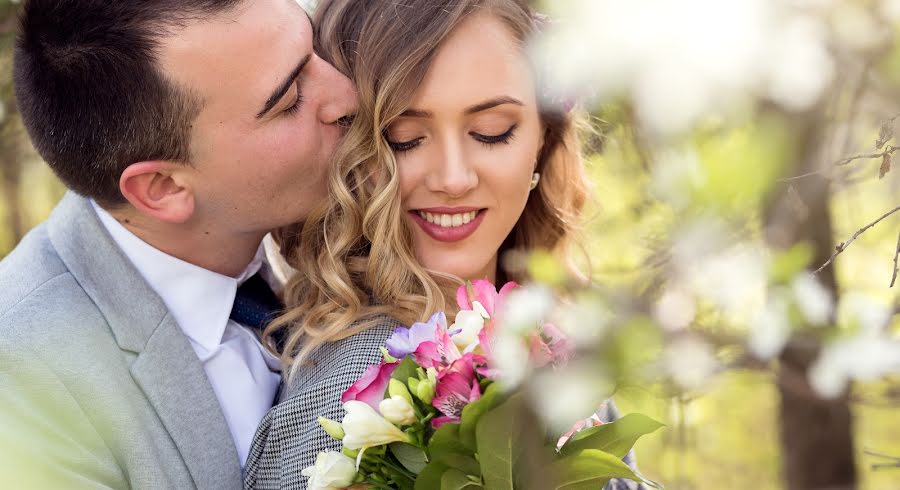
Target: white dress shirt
<point>243,374</point>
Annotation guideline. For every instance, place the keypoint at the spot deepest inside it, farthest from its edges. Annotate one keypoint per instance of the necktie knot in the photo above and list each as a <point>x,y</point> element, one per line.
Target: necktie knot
<point>255,305</point>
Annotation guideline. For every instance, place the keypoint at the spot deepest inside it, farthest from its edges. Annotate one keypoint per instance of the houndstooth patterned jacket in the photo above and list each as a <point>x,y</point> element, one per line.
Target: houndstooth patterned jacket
<point>289,438</point>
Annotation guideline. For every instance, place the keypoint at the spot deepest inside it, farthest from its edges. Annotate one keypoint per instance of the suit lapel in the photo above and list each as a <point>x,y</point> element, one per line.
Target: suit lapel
<point>166,368</point>
<point>176,384</point>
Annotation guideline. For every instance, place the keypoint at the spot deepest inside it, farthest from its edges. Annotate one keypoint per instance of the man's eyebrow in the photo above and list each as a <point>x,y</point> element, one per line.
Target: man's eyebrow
<point>282,89</point>
<point>493,103</point>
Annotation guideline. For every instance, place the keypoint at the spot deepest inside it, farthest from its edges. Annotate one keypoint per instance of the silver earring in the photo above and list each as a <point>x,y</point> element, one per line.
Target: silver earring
<point>535,179</point>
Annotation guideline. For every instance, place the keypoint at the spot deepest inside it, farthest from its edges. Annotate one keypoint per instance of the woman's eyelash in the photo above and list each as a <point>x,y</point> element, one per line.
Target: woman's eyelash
<point>401,146</point>
<point>504,138</point>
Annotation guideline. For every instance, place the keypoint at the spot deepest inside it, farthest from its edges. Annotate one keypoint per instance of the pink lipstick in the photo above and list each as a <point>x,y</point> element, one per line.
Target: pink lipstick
<point>448,224</point>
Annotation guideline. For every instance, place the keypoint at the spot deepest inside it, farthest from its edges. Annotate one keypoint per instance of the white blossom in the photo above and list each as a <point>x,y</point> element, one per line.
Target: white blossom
<point>584,321</point>
<point>770,329</point>
<point>864,357</point>
<point>690,362</point>
<point>511,359</point>
<point>812,298</point>
<point>469,323</point>
<point>561,397</point>
<point>683,61</point>
<point>333,470</point>
<point>364,427</point>
<point>525,308</point>
<point>675,310</point>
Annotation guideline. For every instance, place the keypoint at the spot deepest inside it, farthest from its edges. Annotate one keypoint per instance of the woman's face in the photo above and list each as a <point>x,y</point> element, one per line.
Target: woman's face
<point>467,148</point>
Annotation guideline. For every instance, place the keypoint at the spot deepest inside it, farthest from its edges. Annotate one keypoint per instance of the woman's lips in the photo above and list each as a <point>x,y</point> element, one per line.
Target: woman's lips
<point>442,215</point>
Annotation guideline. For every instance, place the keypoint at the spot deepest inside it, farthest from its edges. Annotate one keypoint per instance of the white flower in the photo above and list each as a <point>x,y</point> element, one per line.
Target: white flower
<point>800,65</point>
<point>890,10</point>
<point>364,427</point>
<point>477,307</point>
<point>690,362</point>
<point>584,322</point>
<point>812,298</point>
<point>510,357</point>
<point>333,470</point>
<point>397,410</point>
<point>675,310</point>
<point>469,323</point>
<point>865,357</point>
<point>770,329</point>
<point>525,308</point>
<point>865,312</point>
<point>563,396</point>
<point>660,54</point>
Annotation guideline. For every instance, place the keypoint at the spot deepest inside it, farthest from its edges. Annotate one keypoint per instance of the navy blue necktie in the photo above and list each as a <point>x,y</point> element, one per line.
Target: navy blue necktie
<point>255,305</point>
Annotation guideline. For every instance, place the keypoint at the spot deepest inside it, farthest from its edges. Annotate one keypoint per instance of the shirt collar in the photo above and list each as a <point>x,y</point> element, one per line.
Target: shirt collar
<point>199,299</point>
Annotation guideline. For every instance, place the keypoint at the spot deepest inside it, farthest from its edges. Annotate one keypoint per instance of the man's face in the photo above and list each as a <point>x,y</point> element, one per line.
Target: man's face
<point>262,143</point>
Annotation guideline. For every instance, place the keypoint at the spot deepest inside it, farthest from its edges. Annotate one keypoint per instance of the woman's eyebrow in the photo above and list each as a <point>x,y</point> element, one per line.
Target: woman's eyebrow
<point>490,104</point>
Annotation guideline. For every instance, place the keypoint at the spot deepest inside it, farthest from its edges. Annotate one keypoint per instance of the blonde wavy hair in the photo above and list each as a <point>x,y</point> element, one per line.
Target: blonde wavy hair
<point>354,255</point>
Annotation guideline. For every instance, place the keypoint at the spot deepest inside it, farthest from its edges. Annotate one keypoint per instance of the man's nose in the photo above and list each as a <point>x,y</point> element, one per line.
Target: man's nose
<point>338,98</point>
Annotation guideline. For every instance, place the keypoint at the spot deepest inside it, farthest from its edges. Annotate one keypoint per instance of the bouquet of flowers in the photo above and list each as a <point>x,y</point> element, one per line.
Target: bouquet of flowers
<point>436,414</point>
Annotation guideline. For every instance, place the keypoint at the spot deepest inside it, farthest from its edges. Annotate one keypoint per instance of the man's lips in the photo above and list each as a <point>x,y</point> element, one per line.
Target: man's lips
<point>448,224</point>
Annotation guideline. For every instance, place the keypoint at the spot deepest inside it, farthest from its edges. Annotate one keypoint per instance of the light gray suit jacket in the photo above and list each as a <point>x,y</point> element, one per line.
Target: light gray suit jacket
<point>100,387</point>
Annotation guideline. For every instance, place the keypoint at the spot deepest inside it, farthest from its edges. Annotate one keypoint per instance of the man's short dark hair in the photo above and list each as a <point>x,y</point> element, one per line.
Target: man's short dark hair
<point>90,90</point>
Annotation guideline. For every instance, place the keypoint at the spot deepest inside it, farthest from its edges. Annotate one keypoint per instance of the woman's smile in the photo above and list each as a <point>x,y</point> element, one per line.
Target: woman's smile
<point>448,224</point>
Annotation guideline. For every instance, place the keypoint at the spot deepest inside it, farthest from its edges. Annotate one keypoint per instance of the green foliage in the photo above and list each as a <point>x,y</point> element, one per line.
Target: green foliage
<point>616,438</point>
<point>411,457</point>
<point>472,413</point>
<point>589,469</point>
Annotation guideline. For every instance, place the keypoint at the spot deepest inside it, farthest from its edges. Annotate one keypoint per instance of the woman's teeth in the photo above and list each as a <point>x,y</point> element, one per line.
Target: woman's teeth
<point>448,220</point>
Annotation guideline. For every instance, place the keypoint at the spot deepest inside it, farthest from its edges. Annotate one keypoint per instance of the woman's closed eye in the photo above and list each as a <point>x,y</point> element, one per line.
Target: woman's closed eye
<point>491,140</point>
<point>401,146</point>
<point>486,139</point>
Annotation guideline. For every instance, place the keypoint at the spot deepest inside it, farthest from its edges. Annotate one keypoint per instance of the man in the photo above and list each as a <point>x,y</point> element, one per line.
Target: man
<point>187,130</point>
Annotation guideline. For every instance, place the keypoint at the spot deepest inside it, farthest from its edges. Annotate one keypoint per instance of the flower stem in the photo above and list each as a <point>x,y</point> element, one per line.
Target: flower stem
<point>399,469</point>
<point>376,484</point>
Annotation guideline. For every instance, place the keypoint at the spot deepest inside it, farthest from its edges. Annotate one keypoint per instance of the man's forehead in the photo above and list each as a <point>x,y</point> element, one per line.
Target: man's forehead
<point>247,49</point>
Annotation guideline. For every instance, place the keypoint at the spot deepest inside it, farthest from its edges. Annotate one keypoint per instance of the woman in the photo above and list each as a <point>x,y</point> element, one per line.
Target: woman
<point>453,159</point>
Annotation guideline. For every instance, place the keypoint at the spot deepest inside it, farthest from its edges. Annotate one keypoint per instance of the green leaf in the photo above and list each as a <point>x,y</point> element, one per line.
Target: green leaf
<point>406,370</point>
<point>473,412</point>
<point>589,470</point>
<point>456,480</point>
<point>496,448</point>
<point>616,438</point>
<point>430,477</point>
<point>411,457</point>
<point>446,448</point>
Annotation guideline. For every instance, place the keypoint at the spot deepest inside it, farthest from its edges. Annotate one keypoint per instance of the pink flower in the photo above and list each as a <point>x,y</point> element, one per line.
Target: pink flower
<point>371,386</point>
<point>582,424</point>
<point>457,386</point>
<point>483,292</point>
<point>550,346</point>
<point>440,352</point>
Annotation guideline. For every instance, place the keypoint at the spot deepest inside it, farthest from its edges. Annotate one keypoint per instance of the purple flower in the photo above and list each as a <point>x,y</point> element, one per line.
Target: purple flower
<point>405,341</point>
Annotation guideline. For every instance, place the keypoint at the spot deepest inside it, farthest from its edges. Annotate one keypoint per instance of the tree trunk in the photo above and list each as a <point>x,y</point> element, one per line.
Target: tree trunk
<point>816,434</point>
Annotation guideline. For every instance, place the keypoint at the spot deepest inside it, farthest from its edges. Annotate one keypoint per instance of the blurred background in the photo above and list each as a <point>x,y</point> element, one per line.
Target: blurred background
<point>736,144</point>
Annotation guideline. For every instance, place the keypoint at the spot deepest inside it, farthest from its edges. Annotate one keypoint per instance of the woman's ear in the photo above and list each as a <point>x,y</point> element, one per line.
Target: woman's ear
<point>159,190</point>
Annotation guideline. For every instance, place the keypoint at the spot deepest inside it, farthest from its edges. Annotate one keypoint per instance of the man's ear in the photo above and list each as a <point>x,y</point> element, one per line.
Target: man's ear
<point>160,190</point>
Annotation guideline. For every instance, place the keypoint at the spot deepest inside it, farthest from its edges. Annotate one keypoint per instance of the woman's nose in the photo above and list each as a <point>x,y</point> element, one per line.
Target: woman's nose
<point>453,174</point>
